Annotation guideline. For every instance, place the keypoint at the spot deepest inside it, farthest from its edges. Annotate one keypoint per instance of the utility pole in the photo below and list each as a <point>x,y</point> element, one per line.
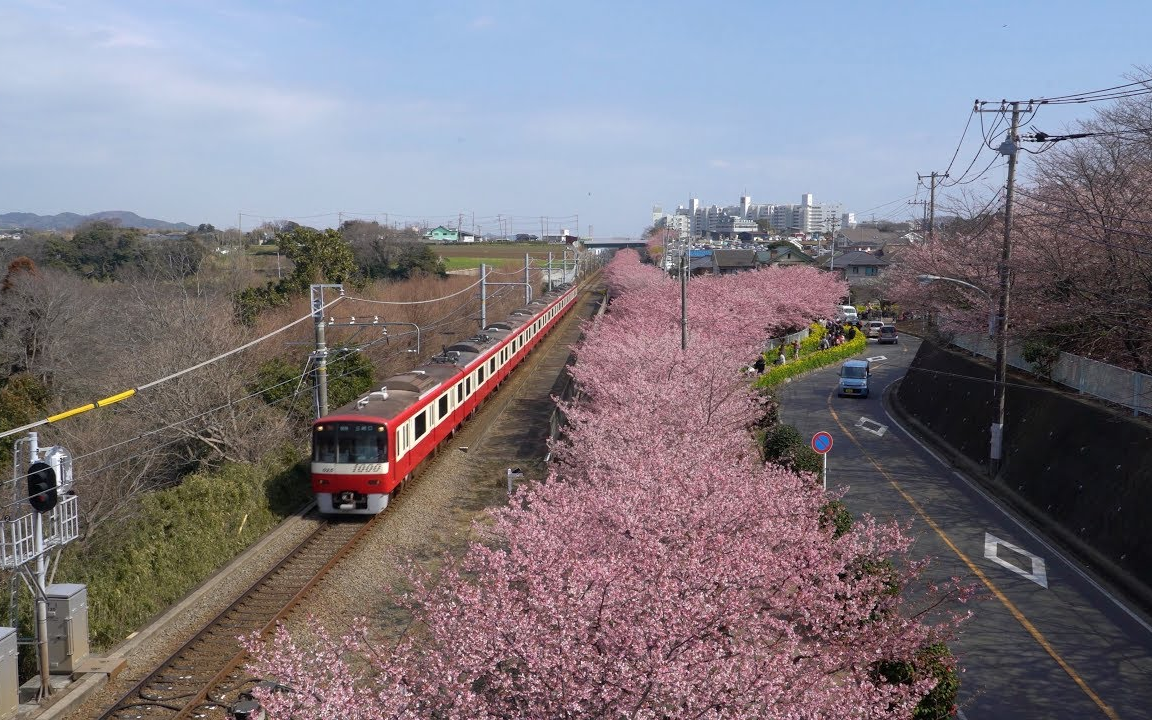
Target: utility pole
<point>923,211</point>
<point>832,248</point>
<point>931,201</point>
<point>1009,147</point>
<point>683,303</point>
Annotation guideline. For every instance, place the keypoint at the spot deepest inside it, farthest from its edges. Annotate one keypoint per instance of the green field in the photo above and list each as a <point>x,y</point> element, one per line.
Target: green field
<point>465,256</point>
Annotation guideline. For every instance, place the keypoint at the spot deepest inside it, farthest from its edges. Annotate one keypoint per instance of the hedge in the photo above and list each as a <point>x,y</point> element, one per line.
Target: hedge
<point>176,539</point>
<point>818,359</point>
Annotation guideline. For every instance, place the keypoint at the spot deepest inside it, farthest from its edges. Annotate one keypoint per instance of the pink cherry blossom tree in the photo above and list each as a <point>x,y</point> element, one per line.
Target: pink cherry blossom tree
<point>1081,249</point>
<point>662,570</point>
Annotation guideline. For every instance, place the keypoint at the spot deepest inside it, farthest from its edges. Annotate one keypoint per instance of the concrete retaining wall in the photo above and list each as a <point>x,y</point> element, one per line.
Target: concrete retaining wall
<point>1081,470</point>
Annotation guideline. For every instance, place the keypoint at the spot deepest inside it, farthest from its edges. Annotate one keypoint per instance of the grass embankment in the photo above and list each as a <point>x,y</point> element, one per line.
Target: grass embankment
<point>811,356</point>
<point>176,539</point>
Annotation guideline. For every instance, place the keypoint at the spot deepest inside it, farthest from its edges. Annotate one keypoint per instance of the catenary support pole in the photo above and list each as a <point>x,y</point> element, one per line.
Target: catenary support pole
<point>321,376</point>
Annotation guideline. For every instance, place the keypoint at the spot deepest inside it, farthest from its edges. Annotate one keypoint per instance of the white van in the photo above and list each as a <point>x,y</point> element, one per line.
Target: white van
<point>847,314</point>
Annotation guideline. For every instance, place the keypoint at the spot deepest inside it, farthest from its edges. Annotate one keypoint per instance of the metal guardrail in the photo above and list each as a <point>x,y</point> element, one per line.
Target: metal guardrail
<point>1090,377</point>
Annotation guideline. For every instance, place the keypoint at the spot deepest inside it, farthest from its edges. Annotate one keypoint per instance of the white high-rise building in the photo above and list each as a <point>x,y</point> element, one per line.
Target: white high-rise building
<point>700,221</point>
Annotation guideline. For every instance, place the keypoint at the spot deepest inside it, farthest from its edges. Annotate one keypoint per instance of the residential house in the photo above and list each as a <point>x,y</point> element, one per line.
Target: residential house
<point>726,262</point>
<point>857,267</point>
<point>783,254</point>
<point>441,234</point>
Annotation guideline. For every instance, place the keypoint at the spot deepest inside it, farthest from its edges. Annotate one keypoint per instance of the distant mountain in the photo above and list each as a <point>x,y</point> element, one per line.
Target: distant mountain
<point>69,221</point>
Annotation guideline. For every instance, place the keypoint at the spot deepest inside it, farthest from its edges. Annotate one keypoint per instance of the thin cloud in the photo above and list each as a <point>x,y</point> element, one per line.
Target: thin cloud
<point>93,65</point>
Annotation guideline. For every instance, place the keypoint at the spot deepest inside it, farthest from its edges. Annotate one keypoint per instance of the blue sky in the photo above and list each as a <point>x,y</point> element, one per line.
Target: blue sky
<point>230,111</point>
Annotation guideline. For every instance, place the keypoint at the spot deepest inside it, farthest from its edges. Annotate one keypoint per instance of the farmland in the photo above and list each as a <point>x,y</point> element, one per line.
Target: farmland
<point>464,256</point>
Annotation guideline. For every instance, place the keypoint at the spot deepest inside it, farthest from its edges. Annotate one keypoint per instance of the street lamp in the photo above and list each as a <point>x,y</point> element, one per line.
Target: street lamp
<point>994,329</point>
<point>925,279</point>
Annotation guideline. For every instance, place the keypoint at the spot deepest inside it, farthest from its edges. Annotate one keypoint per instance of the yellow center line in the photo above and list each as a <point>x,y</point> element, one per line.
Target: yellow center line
<point>1011,607</point>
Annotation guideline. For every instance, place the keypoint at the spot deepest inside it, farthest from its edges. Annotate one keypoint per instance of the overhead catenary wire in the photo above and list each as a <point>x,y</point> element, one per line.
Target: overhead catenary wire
<point>444,320</point>
<point>124,395</point>
<point>412,302</point>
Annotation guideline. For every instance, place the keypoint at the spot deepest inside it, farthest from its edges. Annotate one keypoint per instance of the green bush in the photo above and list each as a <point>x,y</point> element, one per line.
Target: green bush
<point>813,361</point>
<point>935,661</point>
<point>177,538</point>
<point>785,446</point>
<point>780,440</point>
<point>1041,356</point>
<point>835,513</point>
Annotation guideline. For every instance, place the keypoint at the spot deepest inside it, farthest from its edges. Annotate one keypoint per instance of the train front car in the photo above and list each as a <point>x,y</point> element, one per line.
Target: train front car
<point>363,451</point>
<point>350,468</point>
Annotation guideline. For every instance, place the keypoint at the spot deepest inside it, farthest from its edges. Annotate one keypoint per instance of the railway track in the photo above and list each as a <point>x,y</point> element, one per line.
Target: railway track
<point>205,676</point>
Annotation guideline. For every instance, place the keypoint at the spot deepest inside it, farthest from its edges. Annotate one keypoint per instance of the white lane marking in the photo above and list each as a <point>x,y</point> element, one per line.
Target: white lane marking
<point>1036,575</point>
<point>869,425</point>
<point>876,358</point>
<point>1019,524</point>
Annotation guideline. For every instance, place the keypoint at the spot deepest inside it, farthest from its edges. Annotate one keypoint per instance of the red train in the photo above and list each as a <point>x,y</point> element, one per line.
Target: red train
<point>362,451</point>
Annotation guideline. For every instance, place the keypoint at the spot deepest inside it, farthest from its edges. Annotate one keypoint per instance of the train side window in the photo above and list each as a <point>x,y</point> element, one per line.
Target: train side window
<point>421,425</point>
<point>442,406</point>
<point>459,393</point>
<point>468,386</point>
<point>492,365</point>
<point>480,377</point>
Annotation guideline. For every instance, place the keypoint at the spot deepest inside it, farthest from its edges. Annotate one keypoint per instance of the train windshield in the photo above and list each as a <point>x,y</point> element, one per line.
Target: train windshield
<point>350,443</point>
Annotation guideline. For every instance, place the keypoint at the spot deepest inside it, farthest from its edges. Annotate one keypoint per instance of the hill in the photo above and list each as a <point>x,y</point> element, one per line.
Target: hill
<point>68,221</point>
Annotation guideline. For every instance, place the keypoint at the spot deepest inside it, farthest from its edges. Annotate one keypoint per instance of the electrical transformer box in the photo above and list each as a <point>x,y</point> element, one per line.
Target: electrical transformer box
<point>9,674</point>
<point>67,627</point>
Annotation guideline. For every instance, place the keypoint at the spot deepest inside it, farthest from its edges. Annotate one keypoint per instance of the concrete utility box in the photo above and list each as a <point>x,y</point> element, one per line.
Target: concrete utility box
<point>67,627</point>
<point>9,675</point>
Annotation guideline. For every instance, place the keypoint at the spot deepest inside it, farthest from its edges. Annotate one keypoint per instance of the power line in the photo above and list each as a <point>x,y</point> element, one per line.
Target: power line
<point>1079,95</point>
<point>961,142</point>
<point>1043,137</point>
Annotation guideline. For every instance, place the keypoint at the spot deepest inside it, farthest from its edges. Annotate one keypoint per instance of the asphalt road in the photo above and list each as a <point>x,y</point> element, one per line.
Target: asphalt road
<point>1045,640</point>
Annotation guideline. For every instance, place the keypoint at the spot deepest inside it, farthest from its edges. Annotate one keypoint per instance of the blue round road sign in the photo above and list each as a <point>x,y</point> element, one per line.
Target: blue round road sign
<point>821,442</point>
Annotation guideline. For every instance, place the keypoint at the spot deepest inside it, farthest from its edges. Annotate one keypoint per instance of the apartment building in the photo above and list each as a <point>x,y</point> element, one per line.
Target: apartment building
<point>718,221</point>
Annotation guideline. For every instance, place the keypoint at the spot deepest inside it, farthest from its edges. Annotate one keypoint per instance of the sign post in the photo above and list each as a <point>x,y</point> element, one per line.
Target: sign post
<point>822,443</point>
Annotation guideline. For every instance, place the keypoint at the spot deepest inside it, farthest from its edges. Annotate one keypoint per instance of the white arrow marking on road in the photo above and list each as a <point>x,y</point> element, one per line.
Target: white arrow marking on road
<point>872,426</point>
<point>1037,575</point>
<point>876,358</point>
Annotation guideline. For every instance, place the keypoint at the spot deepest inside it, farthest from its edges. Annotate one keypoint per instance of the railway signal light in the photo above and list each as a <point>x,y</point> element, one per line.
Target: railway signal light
<point>42,487</point>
